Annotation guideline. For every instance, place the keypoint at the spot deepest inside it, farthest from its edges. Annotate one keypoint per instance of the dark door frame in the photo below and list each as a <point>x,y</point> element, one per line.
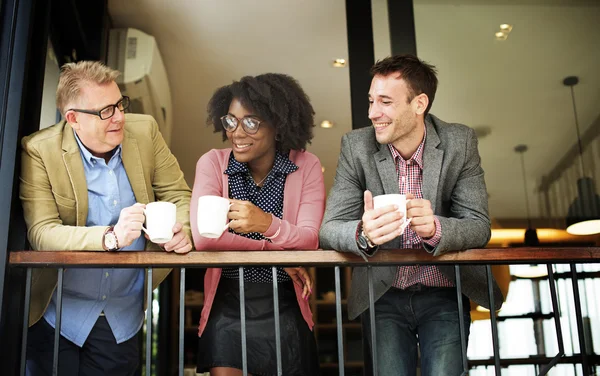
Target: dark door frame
<point>23,44</point>
<point>361,53</point>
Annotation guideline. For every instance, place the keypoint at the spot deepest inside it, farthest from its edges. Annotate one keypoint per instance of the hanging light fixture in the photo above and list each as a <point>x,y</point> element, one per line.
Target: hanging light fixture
<point>583,217</point>
<point>531,237</point>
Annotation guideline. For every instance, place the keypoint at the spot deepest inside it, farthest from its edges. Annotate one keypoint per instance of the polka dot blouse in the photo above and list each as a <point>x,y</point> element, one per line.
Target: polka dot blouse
<point>269,198</point>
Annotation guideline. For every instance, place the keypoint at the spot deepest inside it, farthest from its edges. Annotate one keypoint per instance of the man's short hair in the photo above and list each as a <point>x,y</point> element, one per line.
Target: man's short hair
<point>74,75</point>
<point>419,76</point>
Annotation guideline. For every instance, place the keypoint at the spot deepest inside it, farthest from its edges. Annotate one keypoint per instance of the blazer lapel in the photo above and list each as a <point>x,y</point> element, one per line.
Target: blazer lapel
<point>132,160</point>
<point>432,164</point>
<point>74,165</point>
<point>387,170</point>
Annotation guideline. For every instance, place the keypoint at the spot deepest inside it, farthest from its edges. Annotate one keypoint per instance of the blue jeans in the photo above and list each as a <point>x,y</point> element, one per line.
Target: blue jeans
<point>419,315</point>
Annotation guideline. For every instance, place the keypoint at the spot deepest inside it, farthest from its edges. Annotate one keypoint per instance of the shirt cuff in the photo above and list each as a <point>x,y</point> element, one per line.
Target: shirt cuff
<point>273,230</point>
<point>435,239</point>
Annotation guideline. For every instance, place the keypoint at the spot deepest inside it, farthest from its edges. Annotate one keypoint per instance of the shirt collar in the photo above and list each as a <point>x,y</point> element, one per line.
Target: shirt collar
<point>88,157</point>
<point>282,165</point>
<point>417,157</point>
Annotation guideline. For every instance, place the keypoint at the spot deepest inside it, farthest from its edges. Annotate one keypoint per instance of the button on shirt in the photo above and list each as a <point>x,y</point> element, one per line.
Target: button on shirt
<point>410,180</point>
<point>269,198</point>
<point>88,292</point>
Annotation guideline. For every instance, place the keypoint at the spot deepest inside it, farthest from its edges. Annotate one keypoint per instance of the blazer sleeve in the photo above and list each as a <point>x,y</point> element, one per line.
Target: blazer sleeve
<point>345,205</point>
<point>168,181</point>
<point>468,225</point>
<point>305,233</point>
<point>45,229</point>
<point>209,181</point>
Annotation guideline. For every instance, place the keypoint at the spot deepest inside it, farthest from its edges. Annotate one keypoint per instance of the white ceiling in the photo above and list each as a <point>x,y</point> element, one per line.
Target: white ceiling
<point>514,87</point>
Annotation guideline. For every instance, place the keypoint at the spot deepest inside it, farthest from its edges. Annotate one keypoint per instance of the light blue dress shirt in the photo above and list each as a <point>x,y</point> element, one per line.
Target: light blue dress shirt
<point>88,292</point>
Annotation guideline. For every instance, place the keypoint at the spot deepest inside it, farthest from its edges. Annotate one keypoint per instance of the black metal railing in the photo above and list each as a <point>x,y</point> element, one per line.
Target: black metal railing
<point>150,260</point>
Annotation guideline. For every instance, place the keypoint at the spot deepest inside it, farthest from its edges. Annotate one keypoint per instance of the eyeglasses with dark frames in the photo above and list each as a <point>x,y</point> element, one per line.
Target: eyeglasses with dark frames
<point>250,125</point>
<point>108,111</point>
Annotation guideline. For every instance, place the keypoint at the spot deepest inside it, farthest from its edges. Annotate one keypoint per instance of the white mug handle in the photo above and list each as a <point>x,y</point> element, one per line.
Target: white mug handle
<point>227,224</point>
<point>405,224</point>
<point>143,228</point>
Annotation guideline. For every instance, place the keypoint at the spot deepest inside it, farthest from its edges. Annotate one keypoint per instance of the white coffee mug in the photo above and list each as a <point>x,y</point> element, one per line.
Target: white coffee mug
<point>212,216</point>
<point>393,199</point>
<point>161,216</point>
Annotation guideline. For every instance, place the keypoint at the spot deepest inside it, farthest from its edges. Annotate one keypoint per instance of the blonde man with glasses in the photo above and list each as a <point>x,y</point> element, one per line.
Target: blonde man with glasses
<point>84,185</point>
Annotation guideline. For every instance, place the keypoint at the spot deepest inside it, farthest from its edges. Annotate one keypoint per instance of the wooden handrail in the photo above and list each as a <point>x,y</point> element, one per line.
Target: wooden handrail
<point>306,258</point>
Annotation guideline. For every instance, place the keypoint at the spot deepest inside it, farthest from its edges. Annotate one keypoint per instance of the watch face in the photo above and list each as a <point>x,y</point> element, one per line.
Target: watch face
<point>362,242</point>
<point>110,240</point>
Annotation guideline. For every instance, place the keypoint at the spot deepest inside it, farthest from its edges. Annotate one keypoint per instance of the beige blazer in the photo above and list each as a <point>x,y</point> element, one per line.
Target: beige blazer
<point>53,191</point>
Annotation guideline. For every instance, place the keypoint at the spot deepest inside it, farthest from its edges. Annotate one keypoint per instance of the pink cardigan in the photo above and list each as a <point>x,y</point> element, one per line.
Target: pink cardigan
<point>303,208</point>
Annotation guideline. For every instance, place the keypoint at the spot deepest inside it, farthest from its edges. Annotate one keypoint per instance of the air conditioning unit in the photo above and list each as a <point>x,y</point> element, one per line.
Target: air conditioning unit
<point>143,76</point>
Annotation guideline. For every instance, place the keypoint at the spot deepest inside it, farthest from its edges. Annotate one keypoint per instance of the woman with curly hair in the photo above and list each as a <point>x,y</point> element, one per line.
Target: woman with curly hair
<point>277,198</point>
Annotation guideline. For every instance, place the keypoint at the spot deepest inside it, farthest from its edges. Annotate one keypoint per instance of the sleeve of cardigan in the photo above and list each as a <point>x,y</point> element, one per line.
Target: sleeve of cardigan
<point>305,233</point>
<point>209,181</point>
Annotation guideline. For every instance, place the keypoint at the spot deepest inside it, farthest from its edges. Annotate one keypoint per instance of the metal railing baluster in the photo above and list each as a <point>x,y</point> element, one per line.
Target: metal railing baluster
<point>579,320</point>
<point>461,323</point>
<point>338,315</point>
<point>557,325</point>
<point>372,320</point>
<point>181,319</point>
<point>149,323</point>
<point>277,327</point>
<point>58,322</point>
<point>25,322</point>
<point>494,324</point>
<point>243,321</point>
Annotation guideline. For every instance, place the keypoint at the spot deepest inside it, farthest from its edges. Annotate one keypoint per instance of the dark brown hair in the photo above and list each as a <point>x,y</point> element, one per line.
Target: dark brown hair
<point>418,75</point>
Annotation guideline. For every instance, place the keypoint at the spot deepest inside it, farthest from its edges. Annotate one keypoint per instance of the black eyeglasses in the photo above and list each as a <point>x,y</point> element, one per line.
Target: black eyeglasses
<point>108,111</point>
<point>249,125</point>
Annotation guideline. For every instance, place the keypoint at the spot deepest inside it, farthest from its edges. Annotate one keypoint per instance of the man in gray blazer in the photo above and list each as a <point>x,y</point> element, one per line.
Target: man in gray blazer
<point>437,165</point>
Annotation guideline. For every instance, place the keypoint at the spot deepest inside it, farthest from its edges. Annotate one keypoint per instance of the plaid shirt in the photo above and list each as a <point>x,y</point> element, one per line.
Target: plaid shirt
<point>410,179</point>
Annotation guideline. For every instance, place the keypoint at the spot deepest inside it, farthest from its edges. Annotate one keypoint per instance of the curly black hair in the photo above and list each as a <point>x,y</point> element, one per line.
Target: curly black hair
<point>276,98</point>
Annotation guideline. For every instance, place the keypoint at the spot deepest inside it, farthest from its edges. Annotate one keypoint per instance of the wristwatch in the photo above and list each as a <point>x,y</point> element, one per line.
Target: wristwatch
<point>110,241</point>
<point>363,242</point>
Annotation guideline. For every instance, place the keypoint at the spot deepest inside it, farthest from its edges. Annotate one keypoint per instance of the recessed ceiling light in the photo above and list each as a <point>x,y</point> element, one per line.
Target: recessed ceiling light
<point>326,124</point>
<point>501,35</point>
<point>506,28</point>
<point>339,63</point>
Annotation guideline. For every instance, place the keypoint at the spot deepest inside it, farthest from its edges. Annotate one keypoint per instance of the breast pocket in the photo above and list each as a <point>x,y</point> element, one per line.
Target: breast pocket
<point>67,207</point>
<point>64,201</point>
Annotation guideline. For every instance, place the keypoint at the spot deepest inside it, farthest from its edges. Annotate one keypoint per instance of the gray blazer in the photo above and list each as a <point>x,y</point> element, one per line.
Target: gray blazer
<point>452,180</point>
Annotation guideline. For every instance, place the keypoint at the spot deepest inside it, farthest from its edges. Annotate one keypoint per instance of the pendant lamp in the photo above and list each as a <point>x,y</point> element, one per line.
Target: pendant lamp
<point>531,237</point>
<point>583,217</point>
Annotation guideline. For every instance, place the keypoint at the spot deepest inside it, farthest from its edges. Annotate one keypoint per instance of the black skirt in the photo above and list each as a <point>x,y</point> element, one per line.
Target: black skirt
<point>221,343</point>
